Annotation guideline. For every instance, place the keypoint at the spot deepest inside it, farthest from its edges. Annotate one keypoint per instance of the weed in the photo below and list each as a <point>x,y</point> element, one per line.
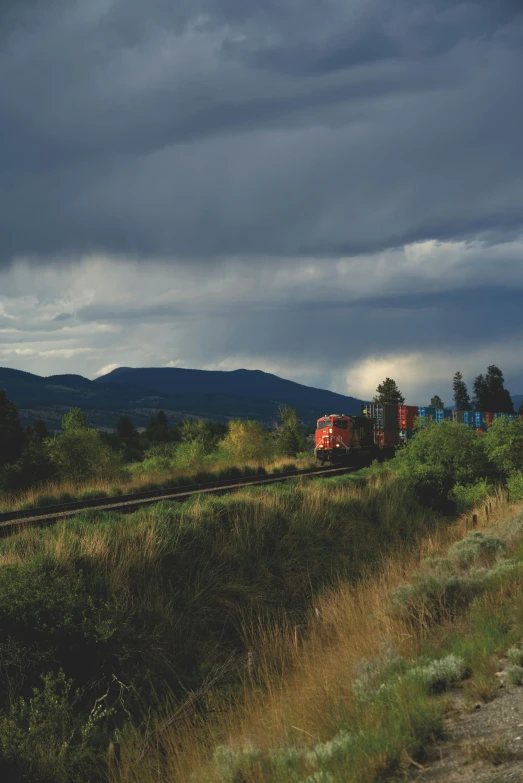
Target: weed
<point>493,751</point>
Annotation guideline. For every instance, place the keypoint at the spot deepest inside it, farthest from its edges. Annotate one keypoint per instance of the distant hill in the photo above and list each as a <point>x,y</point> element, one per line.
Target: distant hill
<point>249,384</point>
<point>140,393</point>
<point>517,399</point>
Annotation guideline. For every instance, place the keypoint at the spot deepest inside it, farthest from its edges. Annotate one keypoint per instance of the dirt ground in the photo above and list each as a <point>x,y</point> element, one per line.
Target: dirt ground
<point>484,742</point>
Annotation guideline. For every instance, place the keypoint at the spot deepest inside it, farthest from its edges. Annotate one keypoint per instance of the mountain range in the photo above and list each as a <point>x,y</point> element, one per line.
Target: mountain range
<point>142,392</point>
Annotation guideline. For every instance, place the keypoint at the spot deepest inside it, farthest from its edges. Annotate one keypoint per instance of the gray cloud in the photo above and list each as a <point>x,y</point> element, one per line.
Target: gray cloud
<point>417,314</point>
<point>224,128</point>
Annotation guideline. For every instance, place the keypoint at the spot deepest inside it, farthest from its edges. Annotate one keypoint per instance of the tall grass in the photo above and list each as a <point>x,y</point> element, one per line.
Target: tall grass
<point>301,718</point>
<point>177,599</point>
<point>136,479</point>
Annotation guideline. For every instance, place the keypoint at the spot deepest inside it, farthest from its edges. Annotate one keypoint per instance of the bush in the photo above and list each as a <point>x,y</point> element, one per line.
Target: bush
<point>439,675</point>
<point>515,486</point>
<point>92,494</point>
<point>247,440</point>
<point>476,547</point>
<point>42,740</point>
<point>515,655</point>
<point>514,675</point>
<point>441,456</point>
<point>471,495</point>
<point>46,500</point>
<point>503,444</point>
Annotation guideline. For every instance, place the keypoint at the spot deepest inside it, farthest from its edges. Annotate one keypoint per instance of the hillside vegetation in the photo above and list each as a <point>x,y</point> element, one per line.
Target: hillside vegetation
<point>238,622</point>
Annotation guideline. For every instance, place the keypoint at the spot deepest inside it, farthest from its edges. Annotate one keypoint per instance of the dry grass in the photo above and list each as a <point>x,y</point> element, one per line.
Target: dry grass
<point>299,687</point>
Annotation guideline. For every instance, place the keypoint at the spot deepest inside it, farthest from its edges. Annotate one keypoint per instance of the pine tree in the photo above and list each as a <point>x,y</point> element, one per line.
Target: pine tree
<point>11,434</point>
<point>480,399</point>
<point>498,398</point>
<point>388,393</point>
<point>437,402</point>
<point>461,395</point>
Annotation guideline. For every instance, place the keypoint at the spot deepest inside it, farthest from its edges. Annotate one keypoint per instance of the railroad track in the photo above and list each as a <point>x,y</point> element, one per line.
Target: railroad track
<point>14,521</point>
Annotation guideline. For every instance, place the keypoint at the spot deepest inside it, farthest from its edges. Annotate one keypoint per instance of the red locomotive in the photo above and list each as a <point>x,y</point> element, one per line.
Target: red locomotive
<point>339,435</point>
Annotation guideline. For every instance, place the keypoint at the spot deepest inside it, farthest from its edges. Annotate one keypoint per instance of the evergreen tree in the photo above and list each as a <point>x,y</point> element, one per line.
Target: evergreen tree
<point>11,435</point>
<point>498,398</point>
<point>125,429</point>
<point>490,393</point>
<point>388,393</point>
<point>480,398</point>
<point>437,402</point>
<point>461,395</point>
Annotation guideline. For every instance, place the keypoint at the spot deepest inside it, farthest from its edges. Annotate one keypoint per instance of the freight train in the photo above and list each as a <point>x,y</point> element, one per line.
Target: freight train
<point>385,427</point>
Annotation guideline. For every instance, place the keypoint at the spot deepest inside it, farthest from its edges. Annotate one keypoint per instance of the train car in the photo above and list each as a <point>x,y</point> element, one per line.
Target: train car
<point>337,436</point>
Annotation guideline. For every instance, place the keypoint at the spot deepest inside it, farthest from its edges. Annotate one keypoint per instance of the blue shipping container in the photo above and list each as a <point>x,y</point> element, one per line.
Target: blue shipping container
<point>509,416</point>
<point>468,418</point>
<point>480,419</point>
<point>428,413</point>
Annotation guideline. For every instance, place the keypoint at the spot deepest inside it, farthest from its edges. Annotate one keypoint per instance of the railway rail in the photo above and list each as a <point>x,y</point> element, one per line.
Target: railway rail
<point>14,521</point>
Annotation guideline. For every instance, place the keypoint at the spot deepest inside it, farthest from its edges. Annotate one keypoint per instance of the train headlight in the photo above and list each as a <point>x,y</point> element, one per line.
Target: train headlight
<point>330,431</point>
<point>337,445</point>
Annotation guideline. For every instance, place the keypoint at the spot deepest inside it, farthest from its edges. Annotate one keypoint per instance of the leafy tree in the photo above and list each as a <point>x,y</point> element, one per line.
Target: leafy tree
<point>520,409</point>
<point>33,467</point>
<point>205,433</point>
<point>290,433</point>
<point>79,452</point>
<point>75,419</point>
<point>440,456</point>
<point>437,402</point>
<point>388,393</point>
<point>461,395</point>
<point>11,434</point>
<point>503,444</point>
<point>247,440</point>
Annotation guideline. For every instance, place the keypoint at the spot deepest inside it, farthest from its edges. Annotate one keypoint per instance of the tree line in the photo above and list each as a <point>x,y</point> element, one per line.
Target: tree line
<point>489,393</point>
<point>79,452</point>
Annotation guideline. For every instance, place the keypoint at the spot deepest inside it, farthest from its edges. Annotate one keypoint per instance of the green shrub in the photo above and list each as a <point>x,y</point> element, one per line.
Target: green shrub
<point>43,740</point>
<point>471,495</point>
<point>46,500</point>
<point>503,444</point>
<point>515,485</point>
<point>92,494</point>
<point>441,456</point>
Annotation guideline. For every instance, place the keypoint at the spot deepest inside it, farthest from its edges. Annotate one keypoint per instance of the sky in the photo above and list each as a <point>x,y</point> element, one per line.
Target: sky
<point>330,190</point>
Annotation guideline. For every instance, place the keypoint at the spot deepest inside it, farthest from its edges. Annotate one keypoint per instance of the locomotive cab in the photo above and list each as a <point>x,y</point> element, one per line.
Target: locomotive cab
<point>333,437</point>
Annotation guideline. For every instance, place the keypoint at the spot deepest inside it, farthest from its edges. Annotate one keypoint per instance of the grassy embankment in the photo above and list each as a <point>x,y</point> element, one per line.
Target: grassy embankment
<point>365,688</point>
<point>121,615</point>
<point>134,479</point>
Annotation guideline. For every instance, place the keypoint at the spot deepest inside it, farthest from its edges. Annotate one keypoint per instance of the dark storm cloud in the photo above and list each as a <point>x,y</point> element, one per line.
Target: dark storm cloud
<point>239,127</point>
